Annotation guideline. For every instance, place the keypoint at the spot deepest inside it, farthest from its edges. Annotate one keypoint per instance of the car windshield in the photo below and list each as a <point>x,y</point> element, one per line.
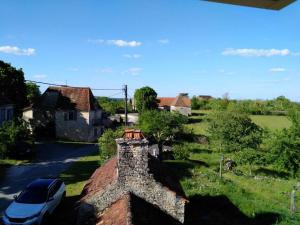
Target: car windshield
<point>33,196</point>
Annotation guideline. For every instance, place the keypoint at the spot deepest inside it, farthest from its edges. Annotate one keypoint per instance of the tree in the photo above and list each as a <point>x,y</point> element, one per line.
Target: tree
<point>232,131</point>
<point>33,92</point>
<point>12,85</point>
<point>284,150</point>
<point>161,126</point>
<point>14,134</point>
<point>107,143</point>
<point>145,98</point>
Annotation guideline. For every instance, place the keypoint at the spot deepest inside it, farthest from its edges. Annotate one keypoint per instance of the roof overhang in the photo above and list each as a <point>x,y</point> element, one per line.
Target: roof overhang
<point>266,4</point>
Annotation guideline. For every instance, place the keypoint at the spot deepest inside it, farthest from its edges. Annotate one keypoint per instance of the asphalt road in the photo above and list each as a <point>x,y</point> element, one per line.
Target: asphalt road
<point>50,161</point>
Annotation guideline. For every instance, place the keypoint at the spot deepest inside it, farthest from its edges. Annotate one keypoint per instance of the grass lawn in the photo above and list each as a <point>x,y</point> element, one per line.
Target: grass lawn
<point>271,122</point>
<point>237,198</point>
<point>75,177</point>
<point>199,124</point>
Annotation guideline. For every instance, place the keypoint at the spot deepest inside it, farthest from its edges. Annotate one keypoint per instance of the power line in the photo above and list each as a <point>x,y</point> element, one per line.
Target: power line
<point>61,85</point>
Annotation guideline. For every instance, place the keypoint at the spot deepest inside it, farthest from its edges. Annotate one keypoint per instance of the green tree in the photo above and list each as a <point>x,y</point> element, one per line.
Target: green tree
<point>181,151</point>
<point>107,143</point>
<point>12,85</point>
<point>284,150</point>
<point>33,92</point>
<point>161,126</point>
<point>145,98</point>
<point>13,134</point>
<point>232,131</point>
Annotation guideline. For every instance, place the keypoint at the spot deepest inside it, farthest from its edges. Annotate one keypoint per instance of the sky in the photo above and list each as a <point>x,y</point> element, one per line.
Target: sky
<point>173,46</point>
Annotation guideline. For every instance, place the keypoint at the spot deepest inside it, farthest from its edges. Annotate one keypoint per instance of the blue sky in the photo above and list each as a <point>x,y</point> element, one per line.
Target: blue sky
<point>173,46</point>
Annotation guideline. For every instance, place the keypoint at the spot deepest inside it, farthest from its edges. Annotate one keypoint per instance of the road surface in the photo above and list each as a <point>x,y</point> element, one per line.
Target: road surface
<point>51,160</point>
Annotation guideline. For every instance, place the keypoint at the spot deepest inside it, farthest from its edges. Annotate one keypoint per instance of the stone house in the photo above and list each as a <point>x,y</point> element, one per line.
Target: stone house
<point>181,104</point>
<point>6,110</point>
<point>71,113</point>
<point>132,188</point>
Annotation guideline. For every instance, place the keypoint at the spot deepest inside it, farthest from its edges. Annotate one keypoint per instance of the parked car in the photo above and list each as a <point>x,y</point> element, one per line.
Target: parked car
<point>36,203</point>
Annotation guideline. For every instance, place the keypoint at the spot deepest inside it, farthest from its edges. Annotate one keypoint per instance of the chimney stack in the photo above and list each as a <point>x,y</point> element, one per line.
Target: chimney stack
<point>132,154</point>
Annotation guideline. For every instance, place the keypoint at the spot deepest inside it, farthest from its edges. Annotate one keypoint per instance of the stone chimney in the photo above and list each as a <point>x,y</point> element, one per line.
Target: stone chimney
<point>132,154</point>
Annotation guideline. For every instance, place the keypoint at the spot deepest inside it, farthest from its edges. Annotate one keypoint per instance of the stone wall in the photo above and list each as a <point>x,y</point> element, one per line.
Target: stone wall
<point>187,111</point>
<point>134,177</point>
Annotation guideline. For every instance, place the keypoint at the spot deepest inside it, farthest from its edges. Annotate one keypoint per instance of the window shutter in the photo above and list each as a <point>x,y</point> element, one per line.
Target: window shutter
<point>75,115</point>
<point>66,116</point>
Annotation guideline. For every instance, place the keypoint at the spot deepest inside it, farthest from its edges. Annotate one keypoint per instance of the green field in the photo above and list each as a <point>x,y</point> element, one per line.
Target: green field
<point>260,198</point>
<point>272,122</point>
<point>199,124</point>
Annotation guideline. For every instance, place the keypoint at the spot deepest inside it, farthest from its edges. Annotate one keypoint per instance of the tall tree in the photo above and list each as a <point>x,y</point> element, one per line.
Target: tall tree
<point>145,98</point>
<point>232,131</point>
<point>12,85</point>
<point>161,126</point>
<point>33,92</point>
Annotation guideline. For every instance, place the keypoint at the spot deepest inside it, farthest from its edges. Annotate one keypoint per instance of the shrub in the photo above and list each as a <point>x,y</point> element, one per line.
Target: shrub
<point>107,143</point>
<point>181,152</point>
<point>14,134</point>
<point>233,131</point>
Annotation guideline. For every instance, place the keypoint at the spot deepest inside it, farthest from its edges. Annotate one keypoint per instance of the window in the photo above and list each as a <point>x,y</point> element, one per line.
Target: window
<point>9,114</point>
<point>2,115</point>
<point>54,188</point>
<point>95,132</point>
<point>71,115</point>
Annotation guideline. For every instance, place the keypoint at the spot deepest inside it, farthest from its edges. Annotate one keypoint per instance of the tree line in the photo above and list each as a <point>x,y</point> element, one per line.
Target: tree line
<point>277,106</point>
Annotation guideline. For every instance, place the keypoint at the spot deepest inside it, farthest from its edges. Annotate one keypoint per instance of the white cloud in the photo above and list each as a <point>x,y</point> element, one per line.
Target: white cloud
<point>106,70</point>
<point>122,43</point>
<point>40,76</point>
<point>133,71</point>
<point>118,43</point>
<point>164,41</point>
<point>251,52</point>
<point>132,56</point>
<point>278,69</point>
<point>16,50</point>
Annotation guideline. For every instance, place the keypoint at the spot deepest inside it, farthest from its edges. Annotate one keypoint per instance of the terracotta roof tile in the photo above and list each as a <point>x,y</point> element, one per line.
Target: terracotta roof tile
<point>116,213</point>
<point>68,98</point>
<point>181,101</point>
<point>132,210</point>
<point>101,178</point>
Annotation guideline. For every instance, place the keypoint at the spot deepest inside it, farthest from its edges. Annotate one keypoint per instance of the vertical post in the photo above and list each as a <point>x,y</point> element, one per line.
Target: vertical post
<point>126,106</point>
<point>221,164</point>
<point>293,207</point>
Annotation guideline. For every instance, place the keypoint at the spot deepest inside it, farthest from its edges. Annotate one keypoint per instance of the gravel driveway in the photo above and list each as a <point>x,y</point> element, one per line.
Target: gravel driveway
<point>51,160</point>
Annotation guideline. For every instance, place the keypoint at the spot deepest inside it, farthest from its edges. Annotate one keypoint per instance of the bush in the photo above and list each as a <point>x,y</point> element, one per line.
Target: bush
<point>233,131</point>
<point>181,152</point>
<point>14,136</point>
<point>108,145</point>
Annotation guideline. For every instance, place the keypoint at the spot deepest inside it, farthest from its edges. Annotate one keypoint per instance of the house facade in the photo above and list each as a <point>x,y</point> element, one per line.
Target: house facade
<point>6,110</point>
<point>181,104</point>
<point>70,113</point>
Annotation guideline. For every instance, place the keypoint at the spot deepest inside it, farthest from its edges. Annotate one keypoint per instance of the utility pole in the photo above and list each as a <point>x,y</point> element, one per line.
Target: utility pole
<point>126,106</point>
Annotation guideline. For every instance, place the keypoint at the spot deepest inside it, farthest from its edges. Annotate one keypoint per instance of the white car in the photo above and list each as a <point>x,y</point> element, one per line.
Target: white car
<point>36,203</point>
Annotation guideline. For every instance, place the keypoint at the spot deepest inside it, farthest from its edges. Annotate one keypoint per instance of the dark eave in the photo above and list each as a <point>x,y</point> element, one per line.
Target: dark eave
<point>266,4</point>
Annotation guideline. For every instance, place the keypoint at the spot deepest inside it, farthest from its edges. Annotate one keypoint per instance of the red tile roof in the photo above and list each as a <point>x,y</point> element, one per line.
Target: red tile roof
<point>180,101</point>
<point>165,101</point>
<point>81,97</point>
<point>68,98</point>
<point>101,178</point>
<point>116,213</point>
